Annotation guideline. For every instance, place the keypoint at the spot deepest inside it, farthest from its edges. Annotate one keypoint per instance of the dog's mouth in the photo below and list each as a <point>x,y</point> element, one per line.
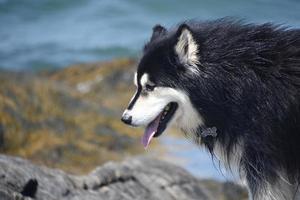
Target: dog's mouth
<point>159,124</point>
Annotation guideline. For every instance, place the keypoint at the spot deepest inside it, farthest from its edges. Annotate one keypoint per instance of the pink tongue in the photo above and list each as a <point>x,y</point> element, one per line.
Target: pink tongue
<point>150,131</point>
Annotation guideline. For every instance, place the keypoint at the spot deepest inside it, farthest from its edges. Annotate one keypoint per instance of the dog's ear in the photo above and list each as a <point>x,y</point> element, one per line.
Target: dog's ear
<point>186,48</point>
<point>158,31</point>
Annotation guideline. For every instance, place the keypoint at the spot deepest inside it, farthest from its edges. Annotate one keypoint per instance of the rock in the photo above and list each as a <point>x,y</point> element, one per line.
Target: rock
<point>135,178</point>
<point>225,191</point>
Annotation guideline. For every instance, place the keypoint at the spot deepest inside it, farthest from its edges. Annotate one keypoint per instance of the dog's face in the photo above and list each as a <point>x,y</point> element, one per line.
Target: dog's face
<point>168,62</point>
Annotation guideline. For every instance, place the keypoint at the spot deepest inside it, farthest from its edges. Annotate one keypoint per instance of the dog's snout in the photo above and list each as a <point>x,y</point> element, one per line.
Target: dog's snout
<point>126,119</point>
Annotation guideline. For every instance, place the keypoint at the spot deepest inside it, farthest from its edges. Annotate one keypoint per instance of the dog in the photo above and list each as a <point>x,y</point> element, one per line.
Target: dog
<point>234,88</point>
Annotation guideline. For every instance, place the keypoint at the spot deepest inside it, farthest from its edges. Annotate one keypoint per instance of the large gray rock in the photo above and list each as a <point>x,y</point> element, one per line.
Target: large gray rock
<point>136,178</point>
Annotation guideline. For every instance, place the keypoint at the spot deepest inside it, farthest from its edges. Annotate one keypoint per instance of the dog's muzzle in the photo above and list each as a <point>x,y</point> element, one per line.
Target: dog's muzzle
<point>126,118</point>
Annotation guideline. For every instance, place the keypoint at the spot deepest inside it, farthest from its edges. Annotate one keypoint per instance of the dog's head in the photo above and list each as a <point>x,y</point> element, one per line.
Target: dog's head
<point>168,63</point>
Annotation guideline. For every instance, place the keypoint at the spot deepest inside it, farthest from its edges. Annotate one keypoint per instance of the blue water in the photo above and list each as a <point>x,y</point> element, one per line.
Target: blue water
<point>55,33</point>
<point>197,160</point>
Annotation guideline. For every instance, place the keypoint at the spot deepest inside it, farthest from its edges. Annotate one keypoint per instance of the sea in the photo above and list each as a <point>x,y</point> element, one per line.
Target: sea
<point>40,34</point>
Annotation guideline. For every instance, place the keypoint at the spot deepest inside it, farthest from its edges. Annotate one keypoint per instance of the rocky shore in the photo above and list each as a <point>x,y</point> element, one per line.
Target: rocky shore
<point>135,178</point>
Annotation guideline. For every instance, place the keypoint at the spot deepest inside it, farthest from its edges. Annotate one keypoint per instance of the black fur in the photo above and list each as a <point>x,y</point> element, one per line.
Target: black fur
<point>248,87</point>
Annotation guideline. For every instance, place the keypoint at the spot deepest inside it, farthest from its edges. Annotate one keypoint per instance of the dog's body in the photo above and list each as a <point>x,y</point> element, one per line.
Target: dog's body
<point>235,89</point>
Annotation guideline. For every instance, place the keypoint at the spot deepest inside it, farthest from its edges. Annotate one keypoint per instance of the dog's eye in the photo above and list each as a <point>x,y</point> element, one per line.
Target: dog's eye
<point>149,87</point>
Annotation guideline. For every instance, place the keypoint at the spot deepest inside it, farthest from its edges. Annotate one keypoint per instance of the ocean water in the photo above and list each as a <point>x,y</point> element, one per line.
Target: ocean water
<point>37,34</point>
<point>197,160</point>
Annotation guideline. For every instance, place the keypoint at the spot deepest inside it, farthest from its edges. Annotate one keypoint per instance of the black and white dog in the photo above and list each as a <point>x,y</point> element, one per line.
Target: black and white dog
<point>235,89</point>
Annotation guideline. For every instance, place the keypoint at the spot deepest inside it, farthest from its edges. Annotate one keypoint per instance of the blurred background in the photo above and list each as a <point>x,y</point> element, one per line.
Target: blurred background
<point>66,70</point>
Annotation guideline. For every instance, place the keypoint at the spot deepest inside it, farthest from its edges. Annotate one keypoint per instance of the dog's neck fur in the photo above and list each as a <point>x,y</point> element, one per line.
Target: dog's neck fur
<point>280,189</point>
<point>260,187</point>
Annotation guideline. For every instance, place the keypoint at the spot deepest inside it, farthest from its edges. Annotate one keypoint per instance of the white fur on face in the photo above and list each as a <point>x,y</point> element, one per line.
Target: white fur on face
<point>187,50</point>
<point>186,117</point>
<point>144,79</point>
<point>135,79</point>
<point>148,106</point>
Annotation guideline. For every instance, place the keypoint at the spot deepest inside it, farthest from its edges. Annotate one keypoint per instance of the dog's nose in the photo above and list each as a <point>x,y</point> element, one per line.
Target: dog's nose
<point>126,119</point>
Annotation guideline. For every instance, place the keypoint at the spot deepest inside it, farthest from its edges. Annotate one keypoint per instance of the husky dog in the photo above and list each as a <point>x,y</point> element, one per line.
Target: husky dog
<point>235,89</point>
